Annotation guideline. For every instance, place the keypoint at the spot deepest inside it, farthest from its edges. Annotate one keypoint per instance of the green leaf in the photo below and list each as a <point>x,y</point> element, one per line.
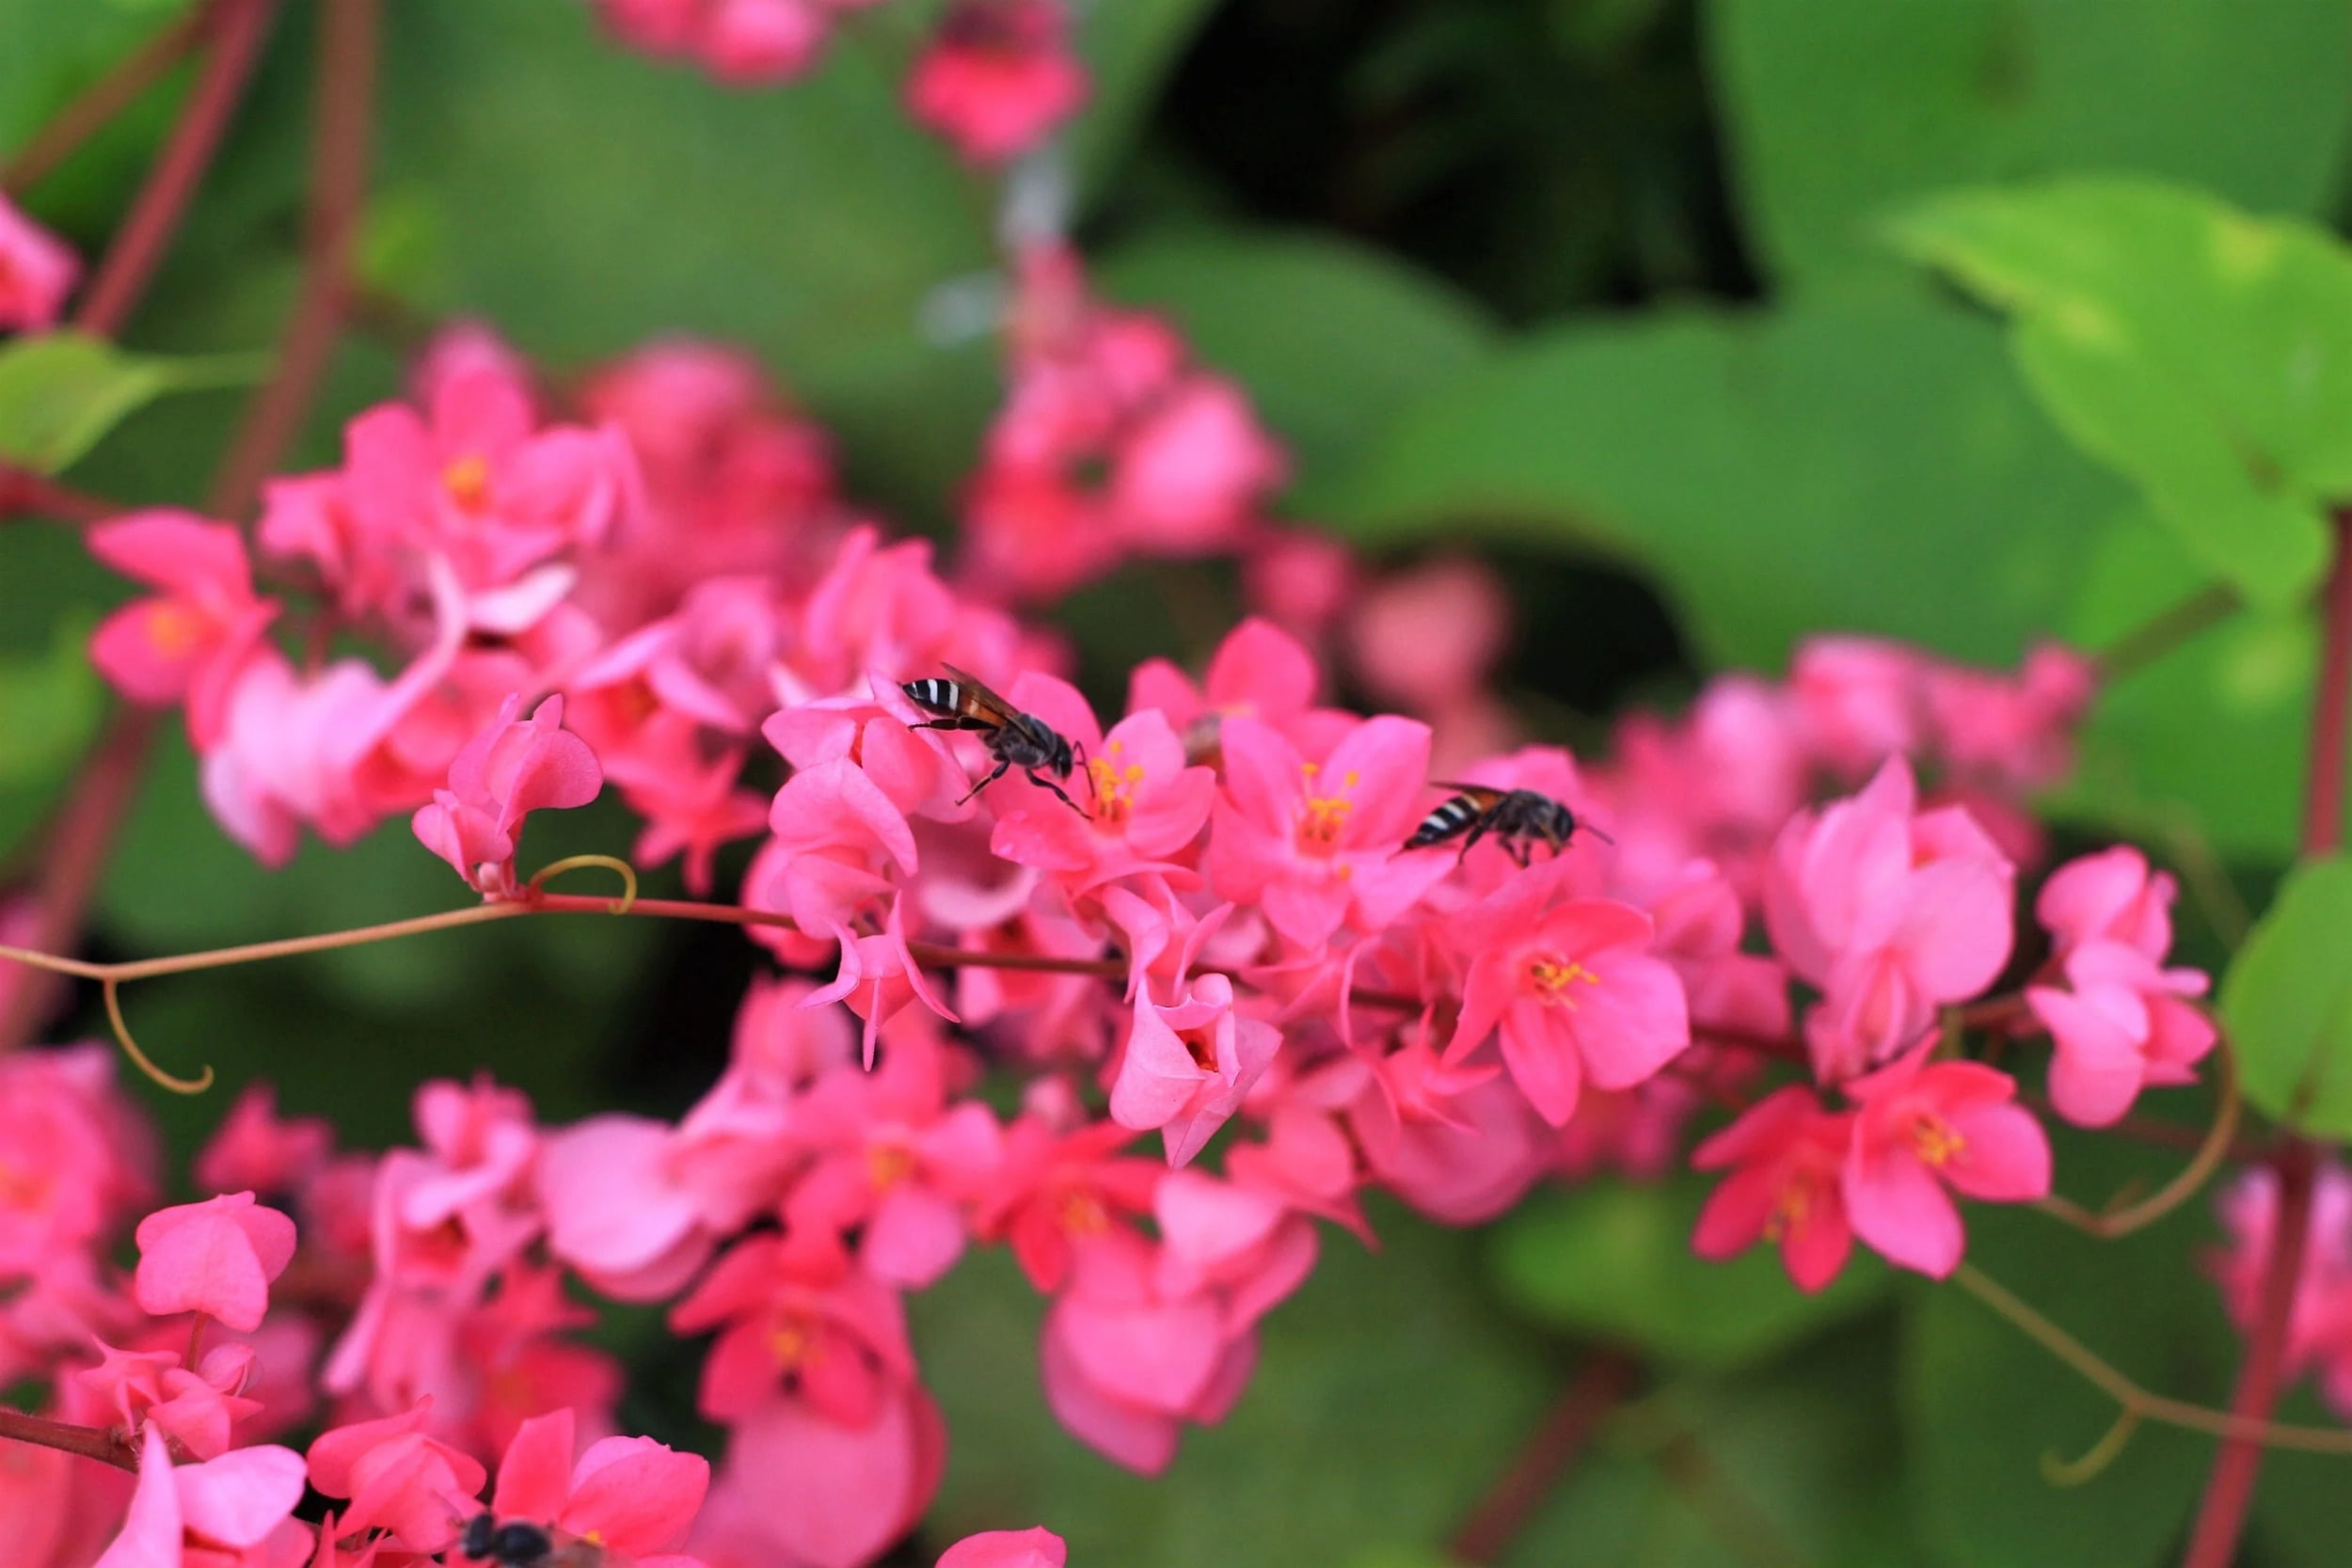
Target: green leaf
<point>1129,47</point>
<point>2287,1001</point>
<point>1859,464</point>
<point>1614,1261</point>
<point>49,709</point>
<point>1836,108</point>
<point>61,391</point>
<point>1391,1369</point>
<point>2201,749</point>
<point>2204,354</point>
<point>1331,340</point>
<point>1983,1403</point>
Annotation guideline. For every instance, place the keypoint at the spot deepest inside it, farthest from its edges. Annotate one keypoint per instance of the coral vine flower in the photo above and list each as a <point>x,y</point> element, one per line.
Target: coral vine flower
<point>997,76</point>
<point>187,642</point>
<point>1186,1067</point>
<point>1891,913</point>
<point>628,1495</point>
<point>507,771</point>
<point>1007,1548</point>
<point>2120,1025</point>
<point>1315,843</point>
<point>37,272</point>
<point>1572,989</point>
<point>1141,803</point>
<point>234,1512</point>
<point>397,1477</point>
<point>218,1256</point>
<point>1786,1154</point>
<point>800,1317</point>
<point>1923,1125</point>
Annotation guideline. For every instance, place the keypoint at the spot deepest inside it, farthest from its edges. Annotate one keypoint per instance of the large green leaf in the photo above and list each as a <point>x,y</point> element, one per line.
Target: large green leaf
<point>1388,1395</point>
<point>2287,1000</point>
<point>1330,340</point>
<point>584,199</point>
<point>1614,1261</point>
<point>61,391</point>
<point>2204,354</point>
<point>1838,108</point>
<point>1847,463</point>
<point>1984,1405</point>
<point>2202,748</point>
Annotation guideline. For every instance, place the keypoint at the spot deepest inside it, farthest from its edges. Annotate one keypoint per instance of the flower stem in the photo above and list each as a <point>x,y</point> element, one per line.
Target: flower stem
<point>103,100</point>
<point>2211,1154</point>
<point>1558,1441</point>
<point>237,30</point>
<point>97,1443</point>
<point>2165,630</point>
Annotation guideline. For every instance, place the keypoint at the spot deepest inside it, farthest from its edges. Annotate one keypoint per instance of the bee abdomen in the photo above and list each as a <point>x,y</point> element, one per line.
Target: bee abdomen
<point>938,695</point>
<point>1443,823</point>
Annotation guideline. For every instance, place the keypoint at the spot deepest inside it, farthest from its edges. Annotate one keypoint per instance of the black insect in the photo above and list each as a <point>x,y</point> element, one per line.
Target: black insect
<point>1519,818</point>
<point>1014,739</point>
<point>513,1545</point>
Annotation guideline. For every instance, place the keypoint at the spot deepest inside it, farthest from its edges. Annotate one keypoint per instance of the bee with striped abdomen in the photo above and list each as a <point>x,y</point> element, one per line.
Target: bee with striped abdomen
<point>1518,820</point>
<point>514,1544</point>
<point>1014,739</point>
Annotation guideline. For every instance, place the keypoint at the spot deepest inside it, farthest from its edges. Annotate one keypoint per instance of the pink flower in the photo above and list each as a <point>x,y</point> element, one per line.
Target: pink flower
<point>255,1149</point>
<point>1890,913</point>
<point>1141,804</point>
<point>397,1478</point>
<point>2109,897</point>
<point>827,1494</point>
<point>1190,474</point>
<point>630,1495</point>
<point>1127,1365</point>
<point>199,1408</point>
<point>618,1210</point>
<point>1186,1067</point>
<point>187,642</point>
<point>1259,671</point>
<point>217,1256</point>
<point>1785,1154</point>
<point>1007,1548</point>
<point>1315,843</point>
<point>1921,1125</point>
<point>510,769</point>
<point>1425,639</point>
<point>800,1320</point>
<point>1461,1145</point>
<point>234,1512</point>
<point>997,76</point>
<point>74,1160</point>
<point>1573,990</point>
<point>2120,1025</point>
<point>37,272</point>
<point>1056,1192</point>
<point>1859,698</point>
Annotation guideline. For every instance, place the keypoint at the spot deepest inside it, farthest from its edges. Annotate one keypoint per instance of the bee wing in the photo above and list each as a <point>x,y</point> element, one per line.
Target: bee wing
<point>1486,796</point>
<point>984,699</point>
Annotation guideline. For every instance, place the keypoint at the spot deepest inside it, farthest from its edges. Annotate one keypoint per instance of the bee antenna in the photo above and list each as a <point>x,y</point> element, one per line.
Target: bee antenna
<point>1598,835</point>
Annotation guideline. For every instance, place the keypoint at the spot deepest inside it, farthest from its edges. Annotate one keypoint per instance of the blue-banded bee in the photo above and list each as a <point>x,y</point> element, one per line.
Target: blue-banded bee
<point>1519,818</point>
<point>1014,739</point>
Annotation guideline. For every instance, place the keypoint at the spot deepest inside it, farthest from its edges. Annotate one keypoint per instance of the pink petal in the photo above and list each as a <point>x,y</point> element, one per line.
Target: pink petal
<point>635,1495</point>
<point>1142,1440</point>
<point>151,1531</point>
<point>1007,1548</point>
<point>241,1497</point>
<point>535,1476</point>
<point>1899,1206</point>
<point>2005,1156</point>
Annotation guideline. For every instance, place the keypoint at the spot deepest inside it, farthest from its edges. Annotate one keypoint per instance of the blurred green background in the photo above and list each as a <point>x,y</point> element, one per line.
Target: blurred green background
<point>1611,288</point>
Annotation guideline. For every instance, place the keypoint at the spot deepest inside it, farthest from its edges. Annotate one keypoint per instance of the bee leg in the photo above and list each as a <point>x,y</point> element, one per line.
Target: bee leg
<point>1087,769</point>
<point>1036,778</point>
<point>1478,830</point>
<point>1517,850</point>
<point>985,783</point>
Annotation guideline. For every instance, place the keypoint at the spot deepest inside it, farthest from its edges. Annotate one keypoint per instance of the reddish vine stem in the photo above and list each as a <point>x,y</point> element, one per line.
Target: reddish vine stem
<point>342,116</point>
<point>101,101</point>
<point>99,1442</point>
<point>237,32</point>
<point>24,493</point>
<point>1551,1450</point>
<point>2230,1489</point>
<point>76,855</point>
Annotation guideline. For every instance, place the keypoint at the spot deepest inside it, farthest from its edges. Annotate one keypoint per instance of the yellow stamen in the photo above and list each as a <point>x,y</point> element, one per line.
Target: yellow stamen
<point>1935,1141</point>
<point>468,481</point>
<point>1083,1214</point>
<point>887,1165</point>
<point>1115,785</point>
<point>173,628</point>
<point>1552,976</point>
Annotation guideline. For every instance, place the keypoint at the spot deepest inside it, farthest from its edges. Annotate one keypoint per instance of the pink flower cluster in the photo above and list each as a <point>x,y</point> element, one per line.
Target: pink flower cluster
<point>1111,444</point>
<point>995,78</point>
<point>1210,928</point>
<point>2319,1315</point>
